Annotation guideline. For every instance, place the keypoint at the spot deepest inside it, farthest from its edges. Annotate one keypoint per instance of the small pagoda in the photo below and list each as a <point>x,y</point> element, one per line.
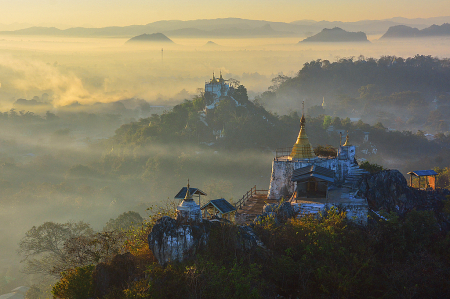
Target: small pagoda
<point>188,210</point>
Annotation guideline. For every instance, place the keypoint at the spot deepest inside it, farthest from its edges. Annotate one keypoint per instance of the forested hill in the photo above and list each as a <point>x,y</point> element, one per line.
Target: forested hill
<point>337,34</point>
<point>321,78</point>
<point>384,89</point>
<point>243,124</point>
<point>248,126</point>
<point>402,31</point>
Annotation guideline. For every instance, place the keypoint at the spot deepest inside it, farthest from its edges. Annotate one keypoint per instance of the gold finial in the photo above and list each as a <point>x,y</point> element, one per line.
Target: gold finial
<point>347,142</point>
<point>302,120</point>
<point>188,193</point>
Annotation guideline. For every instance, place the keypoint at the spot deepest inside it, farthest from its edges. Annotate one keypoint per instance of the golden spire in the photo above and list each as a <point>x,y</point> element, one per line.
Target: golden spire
<point>188,193</point>
<point>347,143</point>
<point>302,148</point>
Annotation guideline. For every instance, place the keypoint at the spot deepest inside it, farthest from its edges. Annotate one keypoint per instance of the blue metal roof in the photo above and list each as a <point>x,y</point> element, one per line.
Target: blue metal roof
<point>423,172</point>
<point>221,204</point>
<point>302,174</point>
<point>182,193</point>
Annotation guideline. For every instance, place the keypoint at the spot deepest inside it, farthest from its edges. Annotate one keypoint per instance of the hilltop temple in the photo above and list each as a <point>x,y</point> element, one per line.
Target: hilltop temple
<point>214,90</point>
<point>318,182</point>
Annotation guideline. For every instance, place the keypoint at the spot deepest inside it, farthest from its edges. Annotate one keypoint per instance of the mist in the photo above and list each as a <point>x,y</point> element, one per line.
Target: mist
<point>90,70</point>
<point>62,100</point>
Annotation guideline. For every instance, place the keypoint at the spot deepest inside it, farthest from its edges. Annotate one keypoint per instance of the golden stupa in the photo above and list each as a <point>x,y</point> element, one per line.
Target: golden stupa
<point>302,148</point>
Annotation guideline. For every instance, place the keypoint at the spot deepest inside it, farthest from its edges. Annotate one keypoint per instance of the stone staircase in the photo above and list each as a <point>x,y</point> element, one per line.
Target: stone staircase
<point>356,174</point>
<point>252,208</point>
<point>306,209</point>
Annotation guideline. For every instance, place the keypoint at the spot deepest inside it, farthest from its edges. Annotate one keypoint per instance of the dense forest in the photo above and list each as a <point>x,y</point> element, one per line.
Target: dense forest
<point>403,93</point>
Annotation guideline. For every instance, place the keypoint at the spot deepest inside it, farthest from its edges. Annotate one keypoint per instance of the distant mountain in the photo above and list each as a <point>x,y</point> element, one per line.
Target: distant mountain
<point>265,30</point>
<point>150,38</point>
<point>230,27</point>
<point>373,27</point>
<point>211,44</point>
<point>402,31</point>
<point>227,27</point>
<point>37,31</point>
<point>337,35</point>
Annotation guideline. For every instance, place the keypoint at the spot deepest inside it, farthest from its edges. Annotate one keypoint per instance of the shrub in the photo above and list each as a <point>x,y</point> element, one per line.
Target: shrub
<point>75,284</point>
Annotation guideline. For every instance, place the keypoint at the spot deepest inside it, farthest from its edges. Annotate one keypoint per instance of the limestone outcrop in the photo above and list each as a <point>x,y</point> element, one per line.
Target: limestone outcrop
<point>388,190</point>
<point>172,241</point>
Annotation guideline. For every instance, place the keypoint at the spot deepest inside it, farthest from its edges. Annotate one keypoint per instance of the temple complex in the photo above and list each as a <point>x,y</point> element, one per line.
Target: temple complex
<point>214,90</point>
<point>316,183</point>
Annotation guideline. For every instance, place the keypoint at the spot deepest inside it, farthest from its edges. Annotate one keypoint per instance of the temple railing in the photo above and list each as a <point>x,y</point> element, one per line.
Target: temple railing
<point>243,200</point>
<point>281,152</point>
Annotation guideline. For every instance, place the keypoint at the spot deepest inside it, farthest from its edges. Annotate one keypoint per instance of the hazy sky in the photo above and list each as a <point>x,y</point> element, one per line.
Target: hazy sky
<point>127,12</point>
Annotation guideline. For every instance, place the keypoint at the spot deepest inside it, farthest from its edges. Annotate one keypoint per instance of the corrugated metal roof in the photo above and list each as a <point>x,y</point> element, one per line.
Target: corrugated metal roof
<point>182,193</point>
<point>221,204</point>
<point>302,174</point>
<point>423,172</point>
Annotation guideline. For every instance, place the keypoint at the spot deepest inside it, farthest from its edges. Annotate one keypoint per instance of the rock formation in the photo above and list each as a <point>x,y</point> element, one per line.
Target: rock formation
<point>388,190</point>
<point>172,241</point>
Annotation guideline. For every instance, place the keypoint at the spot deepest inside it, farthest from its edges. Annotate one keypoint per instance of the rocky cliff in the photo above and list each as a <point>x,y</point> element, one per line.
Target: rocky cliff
<point>388,190</point>
<point>172,241</point>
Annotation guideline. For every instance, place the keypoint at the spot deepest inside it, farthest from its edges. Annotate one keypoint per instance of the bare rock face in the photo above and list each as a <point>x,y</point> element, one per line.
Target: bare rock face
<point>388,190</point>
<point>172,241</point>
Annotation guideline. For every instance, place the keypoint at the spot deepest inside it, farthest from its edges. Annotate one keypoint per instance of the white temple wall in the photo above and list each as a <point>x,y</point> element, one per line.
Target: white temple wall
<point>281,179</point>
<point>282,170</point>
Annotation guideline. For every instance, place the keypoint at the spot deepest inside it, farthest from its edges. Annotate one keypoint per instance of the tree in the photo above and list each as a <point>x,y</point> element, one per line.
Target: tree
<point>277,81</point>
<point>369,92</point>
<point>43,246</point>
<point>315,111</point>
<point>234,83</point>
<point>124,221</point>
<point>371,167</point>
<point>326,121</point>
<point>240,94</point>
<point>325,151</point>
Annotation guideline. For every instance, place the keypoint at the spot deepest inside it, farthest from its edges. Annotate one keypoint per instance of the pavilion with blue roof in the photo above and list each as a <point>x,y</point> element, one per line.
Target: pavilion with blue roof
<point>429,181</point>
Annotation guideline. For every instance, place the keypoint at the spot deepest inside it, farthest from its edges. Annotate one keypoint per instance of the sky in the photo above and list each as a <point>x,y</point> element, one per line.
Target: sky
<point>100,13</point>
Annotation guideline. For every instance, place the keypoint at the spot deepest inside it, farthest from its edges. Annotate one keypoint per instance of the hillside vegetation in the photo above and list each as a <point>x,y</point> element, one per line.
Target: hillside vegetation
<point>327,258</point>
